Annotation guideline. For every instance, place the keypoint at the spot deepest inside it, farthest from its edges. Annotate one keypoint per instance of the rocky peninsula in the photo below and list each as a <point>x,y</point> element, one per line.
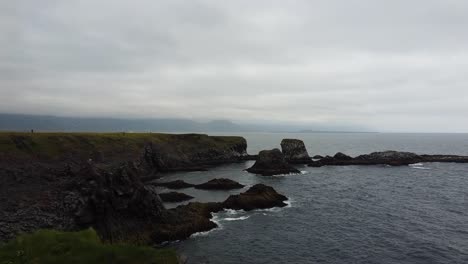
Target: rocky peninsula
<point>73,181</point>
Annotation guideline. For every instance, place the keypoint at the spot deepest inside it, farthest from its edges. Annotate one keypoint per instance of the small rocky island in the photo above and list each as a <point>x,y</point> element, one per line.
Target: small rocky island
<point>294,151</point>
<point>392,158</point>
<point>272,162</point>
<point>214,184</point>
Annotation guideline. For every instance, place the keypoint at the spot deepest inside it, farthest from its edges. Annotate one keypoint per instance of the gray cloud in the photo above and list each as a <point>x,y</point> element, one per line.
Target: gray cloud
<point>386,65</point>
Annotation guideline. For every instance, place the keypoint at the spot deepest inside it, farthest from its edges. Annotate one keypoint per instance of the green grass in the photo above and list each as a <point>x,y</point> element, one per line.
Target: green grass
<point>84,247</point>
<point>112,145</point>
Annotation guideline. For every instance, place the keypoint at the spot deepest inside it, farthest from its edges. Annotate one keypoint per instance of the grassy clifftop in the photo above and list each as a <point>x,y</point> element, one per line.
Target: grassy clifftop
<point>112,146</point>
<point>46,246</point>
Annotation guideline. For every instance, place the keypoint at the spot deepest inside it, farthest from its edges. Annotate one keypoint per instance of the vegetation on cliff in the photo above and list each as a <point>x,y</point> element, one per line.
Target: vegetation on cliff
<point>47,246</point>
<point>109,147</point>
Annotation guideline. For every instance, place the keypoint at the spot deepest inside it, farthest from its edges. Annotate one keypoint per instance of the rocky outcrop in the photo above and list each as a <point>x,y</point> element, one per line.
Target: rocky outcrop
<point>317,157</point>
<point>115,203</point>
<point>271,162</point>
<point>294,151</point>
<point>154,153</point>
<point>259,196</point>
<point>195,217</point>
<point>176,185</point>
<point>174,197</point>
<point>392,158</point>
<point>342,156</point>
<point>214,184</point>
<point>219,184</point>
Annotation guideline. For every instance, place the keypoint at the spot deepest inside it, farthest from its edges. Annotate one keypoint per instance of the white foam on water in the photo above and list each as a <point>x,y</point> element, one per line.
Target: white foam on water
<point>236,219</point>
<point>418,166</point>
<point>233,212</point>
<point>289,174</point>
<point>215,219</point>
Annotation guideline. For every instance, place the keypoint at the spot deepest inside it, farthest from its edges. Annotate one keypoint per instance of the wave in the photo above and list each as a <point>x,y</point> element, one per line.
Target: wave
<point>236,219</point>
<point>418,166</point>
<point>215,219</point>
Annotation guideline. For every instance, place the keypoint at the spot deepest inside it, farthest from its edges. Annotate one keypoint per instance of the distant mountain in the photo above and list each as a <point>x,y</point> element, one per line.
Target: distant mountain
<point>18,122</point>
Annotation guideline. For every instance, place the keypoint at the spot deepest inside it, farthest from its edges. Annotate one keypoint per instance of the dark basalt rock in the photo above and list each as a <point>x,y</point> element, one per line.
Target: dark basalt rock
<point>342,156</point>
<point>317,157</point>
<point>392,158</point>
<point>219,184</point>
<point>294,151</point>
<point>174,197</point>
<point>271,162</point>
<point>176,185</point>
<point>258,196</point>
<point>185,220</point>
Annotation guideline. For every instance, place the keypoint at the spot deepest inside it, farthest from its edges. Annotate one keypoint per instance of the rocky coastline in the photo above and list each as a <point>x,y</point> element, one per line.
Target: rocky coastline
<point>73,181</point>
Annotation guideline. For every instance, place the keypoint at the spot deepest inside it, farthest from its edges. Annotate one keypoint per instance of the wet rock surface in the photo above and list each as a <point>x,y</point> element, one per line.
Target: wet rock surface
<point>294,151</point>
<point>271,162</point>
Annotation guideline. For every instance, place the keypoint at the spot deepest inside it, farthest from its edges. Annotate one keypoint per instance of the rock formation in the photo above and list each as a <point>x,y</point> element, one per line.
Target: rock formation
<point>174,197</point>
<point>294,151</point>
<point>259,196</point>
<point>392,158</point>
<point>177,184</point>
<point>214,184</point>
<point>271,162</point>
<point>219,184</point>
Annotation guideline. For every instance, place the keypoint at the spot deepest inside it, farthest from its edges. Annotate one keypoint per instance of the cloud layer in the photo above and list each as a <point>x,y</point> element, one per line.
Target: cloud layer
<point>384,65</point>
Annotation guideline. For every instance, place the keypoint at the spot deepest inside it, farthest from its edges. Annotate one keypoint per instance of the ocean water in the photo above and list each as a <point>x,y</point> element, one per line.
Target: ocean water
<point>349,214</point>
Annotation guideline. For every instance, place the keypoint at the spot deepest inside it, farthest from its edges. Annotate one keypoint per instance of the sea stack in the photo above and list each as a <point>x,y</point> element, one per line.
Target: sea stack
<point>294,151</point>
<point>271,162</point>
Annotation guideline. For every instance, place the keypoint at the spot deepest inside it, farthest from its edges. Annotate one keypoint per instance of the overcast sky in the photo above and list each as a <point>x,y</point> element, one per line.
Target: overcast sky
<point>399,65</point>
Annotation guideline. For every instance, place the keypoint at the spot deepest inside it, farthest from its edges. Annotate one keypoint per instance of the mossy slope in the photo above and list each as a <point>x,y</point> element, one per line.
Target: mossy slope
<point>84,247</point>
<point>114,147</point>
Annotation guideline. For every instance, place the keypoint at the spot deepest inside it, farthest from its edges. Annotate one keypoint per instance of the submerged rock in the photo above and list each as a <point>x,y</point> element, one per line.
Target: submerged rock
<point>294,151</point>
<point>219,184</point>
<point>176,185</point>
<point>258,196</point>
<point>271,162</point>
<point>174,197</point>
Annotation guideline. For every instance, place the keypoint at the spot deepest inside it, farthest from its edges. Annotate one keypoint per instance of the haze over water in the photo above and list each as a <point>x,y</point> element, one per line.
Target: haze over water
<point>344,214</point>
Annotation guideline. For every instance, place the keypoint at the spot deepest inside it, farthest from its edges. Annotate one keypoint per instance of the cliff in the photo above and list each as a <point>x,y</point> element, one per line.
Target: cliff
<point>157,152</point>
<point>71,181</point>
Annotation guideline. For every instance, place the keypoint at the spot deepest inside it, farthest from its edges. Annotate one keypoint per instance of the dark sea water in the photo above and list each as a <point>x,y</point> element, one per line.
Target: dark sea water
<point>349,214</point>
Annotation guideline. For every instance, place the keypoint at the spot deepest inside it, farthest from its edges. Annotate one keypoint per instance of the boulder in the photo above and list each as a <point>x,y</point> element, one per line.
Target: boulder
<point>219,184</point>
<point>271,162</point>
<point>317,157</point>
<point>258,196</point>
<point>174,197</point>
<point>294,151</point>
